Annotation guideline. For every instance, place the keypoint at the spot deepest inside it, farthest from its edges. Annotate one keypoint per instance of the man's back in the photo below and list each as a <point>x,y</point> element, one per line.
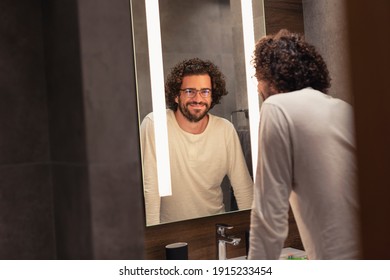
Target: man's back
<point>307,142</point>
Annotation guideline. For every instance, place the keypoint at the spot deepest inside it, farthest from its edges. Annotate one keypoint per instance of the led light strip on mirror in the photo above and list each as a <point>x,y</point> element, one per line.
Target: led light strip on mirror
<point>158,97</point>
<point>251,82</point>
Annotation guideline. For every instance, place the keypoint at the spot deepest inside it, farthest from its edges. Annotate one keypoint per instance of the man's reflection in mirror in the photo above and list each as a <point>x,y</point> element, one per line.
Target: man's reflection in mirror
<point>203,148</point>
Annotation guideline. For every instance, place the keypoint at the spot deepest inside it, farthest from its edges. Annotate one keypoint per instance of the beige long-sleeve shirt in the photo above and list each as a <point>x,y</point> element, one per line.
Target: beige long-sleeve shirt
<point>306,157</point>
<point>199,162</point>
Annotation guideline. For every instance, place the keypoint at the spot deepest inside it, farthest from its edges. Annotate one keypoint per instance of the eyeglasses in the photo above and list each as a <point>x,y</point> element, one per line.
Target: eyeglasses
<point>191,92</point>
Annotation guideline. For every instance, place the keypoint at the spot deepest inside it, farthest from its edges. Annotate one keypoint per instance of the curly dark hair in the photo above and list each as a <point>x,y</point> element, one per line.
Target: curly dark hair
<point>194,66</point>
<point>287,63</point>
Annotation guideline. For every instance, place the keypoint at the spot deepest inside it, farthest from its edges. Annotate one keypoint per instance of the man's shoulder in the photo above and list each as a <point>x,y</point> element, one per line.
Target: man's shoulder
<point>150,116</point>
<point>219,121</point>
<point>296,100</point>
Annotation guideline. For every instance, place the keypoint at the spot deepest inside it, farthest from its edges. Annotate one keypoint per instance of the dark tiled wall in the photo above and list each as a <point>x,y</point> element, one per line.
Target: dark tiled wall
<point>112,135</point>
<point>26,207</point>
<point>329,35</point>
<point>68,145</point>
<point>70,172</point>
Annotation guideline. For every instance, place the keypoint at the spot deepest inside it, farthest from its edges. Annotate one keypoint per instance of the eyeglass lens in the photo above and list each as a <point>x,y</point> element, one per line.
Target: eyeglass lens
<point>191,92</point>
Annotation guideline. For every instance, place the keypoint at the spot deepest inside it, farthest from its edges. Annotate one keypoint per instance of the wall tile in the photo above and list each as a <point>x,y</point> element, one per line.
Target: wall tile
<point>26,212</point>
<point>64,82</point>
<point>72,211</point>
<point>114,197</point>
<point>108,79</point>
<point>23,111</point>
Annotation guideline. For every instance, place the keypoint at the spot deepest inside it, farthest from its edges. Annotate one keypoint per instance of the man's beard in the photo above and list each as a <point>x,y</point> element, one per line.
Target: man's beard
<point>188,115</point>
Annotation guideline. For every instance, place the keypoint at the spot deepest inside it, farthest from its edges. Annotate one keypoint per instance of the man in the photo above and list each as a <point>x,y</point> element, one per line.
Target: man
<point>306,155</point>
<point>203,148</point>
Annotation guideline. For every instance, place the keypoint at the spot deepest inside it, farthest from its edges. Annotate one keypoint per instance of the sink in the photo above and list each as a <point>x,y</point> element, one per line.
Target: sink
<point>238,258</point>
<point>288,253</point>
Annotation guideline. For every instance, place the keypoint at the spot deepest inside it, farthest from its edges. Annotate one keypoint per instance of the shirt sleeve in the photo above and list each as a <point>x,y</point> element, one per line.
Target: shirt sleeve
<point>269,215</point>
<point>151,194</point>
<point>238,174</point>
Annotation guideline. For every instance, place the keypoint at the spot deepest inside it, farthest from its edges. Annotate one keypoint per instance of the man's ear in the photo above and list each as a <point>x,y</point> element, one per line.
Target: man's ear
<point>177,99</point>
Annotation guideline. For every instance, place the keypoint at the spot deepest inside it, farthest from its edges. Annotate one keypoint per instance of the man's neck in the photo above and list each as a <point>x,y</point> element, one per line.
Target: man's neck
<point>191,127</point>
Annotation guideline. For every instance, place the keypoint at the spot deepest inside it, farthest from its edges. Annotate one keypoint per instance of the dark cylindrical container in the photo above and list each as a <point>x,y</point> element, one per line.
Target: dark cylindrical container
<point>177,251</point>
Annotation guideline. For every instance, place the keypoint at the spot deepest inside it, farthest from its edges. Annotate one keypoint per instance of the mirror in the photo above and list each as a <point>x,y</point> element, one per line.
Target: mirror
<point>212,30</point>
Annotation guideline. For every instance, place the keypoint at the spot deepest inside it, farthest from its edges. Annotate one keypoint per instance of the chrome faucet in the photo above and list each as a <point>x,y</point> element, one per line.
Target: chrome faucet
<point>222,239</point>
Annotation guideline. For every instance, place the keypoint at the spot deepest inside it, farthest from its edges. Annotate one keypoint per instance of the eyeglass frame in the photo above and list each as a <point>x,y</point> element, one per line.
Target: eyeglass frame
<point>195,91</point>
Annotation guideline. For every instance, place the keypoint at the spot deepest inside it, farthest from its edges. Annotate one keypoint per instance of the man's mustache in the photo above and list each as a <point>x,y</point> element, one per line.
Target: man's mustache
<point>196,103</point>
